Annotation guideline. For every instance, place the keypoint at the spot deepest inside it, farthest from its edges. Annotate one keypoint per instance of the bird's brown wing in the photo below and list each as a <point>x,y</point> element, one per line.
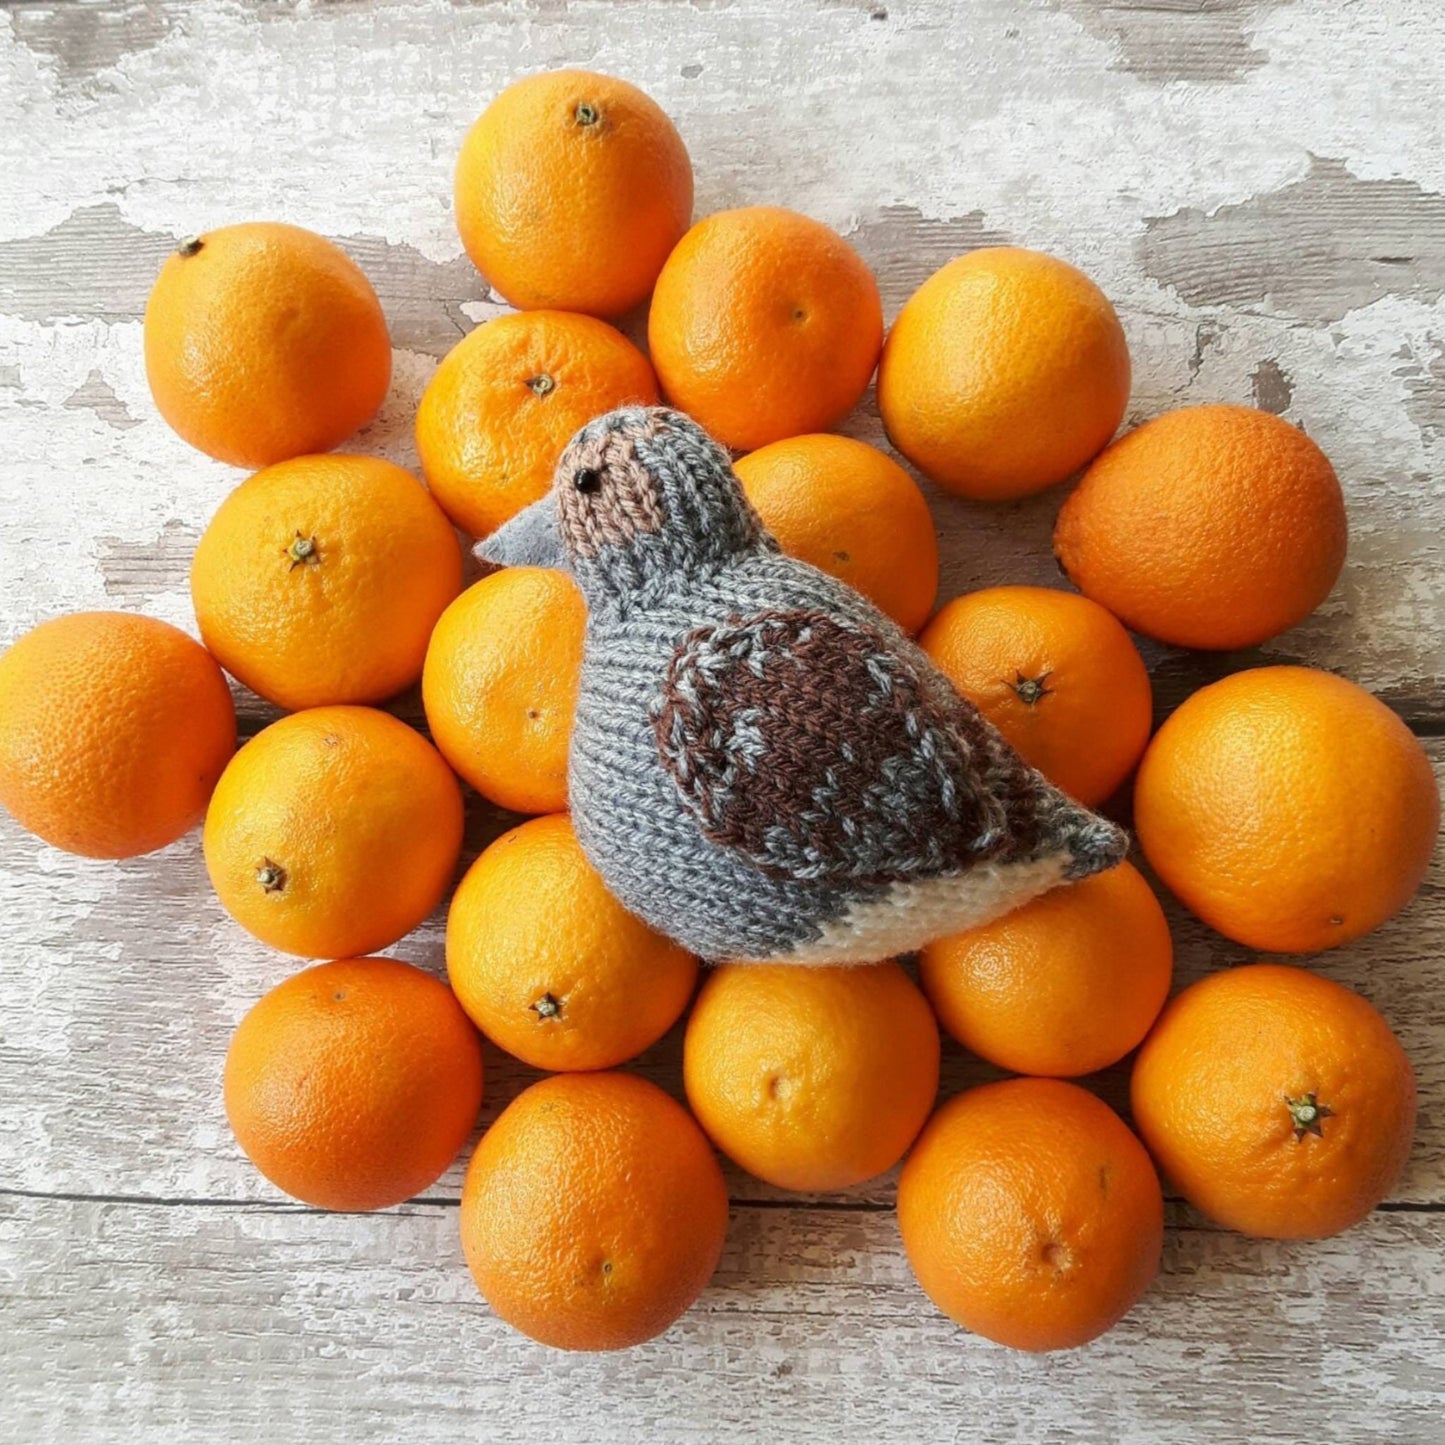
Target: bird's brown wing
<point>812,746</point>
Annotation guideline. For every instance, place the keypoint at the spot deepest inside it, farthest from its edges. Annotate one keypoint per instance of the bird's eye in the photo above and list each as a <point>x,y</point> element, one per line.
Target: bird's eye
<point>587,480</point>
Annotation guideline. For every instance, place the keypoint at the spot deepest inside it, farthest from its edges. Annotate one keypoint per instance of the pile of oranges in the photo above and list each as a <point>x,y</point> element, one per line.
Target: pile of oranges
<point>1286,807</point>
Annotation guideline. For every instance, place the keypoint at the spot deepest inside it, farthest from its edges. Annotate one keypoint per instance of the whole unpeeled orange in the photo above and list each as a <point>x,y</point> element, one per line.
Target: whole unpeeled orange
<point>1288,808</point>
<point>852,512</point>
<point>319,580</point>
<point>549,965</point>
<point>264,341</point>
<point>1211,526</point>
<point>1005,372</point>
<point>352,1085</point>
<point>1278,1101</point>
<point>571,189</point>
<point>811,1078</point>
<point>333,832</point>
<point>113,731</point>
<point>1065,985</point>
<point>500,685</point>
<point>507,398</point>
<point>765,324</point>
<point>1056,675</point>
<point>1030,1214</point>
<point>593,1212</point>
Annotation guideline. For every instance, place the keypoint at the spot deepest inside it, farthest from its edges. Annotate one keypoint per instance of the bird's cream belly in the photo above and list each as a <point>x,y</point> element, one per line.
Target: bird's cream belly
<point>911,915</point>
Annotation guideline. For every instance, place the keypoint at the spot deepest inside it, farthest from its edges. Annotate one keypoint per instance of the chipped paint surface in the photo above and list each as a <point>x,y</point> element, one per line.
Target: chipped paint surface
<point>1270,387</point>
<point>1260,187</point>
<point>1350,242</point>
<point>1213,41</point>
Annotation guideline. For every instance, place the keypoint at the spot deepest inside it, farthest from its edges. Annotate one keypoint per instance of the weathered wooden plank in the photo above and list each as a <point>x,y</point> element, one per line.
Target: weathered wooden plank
<point>125,982</point>
<point>1309,285</point>
<point>196,1324</point>
<point>81,396</point>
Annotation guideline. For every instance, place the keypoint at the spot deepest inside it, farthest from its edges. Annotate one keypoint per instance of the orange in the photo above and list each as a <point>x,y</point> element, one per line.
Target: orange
<point>549,965</point>
<point>333,832</point>
<point>113,731</point>
<point>1005,372</point>
<point>1277,1101</point>
<point>1030,1214</point>
<point>506,400</point>
<point>500,685</point>
<point>764,324</point>
<point>1056,675</point>
<point>319,580</point>
<point>1065,985</point>
<point>1288,808</point>
<point>264,342</point>
<point>593,1212</point>
<point>353,1084</point>
<point>851,512</point>
<point>570,191</point>
<point>811,1078</point>
<point>1213,526</point>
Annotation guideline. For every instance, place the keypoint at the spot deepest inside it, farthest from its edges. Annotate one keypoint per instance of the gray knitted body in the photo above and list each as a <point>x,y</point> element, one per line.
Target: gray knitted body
<point>763,766</point>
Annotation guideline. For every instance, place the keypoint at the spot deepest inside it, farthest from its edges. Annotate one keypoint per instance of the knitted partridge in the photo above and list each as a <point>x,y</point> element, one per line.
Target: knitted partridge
<point>763,766</point>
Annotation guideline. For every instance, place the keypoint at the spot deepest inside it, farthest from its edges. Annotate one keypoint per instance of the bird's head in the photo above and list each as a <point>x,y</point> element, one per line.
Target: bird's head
<point>642,499</point>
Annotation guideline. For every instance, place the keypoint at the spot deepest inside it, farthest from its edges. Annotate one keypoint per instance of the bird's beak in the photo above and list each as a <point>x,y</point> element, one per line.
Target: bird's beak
<point>531,539</point>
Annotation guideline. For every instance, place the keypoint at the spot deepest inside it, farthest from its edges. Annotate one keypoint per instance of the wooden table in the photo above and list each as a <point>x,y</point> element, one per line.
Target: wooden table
<point>1259,188</point>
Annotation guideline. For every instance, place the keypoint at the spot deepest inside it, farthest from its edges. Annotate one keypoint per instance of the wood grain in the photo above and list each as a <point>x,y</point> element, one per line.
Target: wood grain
<point>195,1323</point>
<point>1256,183</point>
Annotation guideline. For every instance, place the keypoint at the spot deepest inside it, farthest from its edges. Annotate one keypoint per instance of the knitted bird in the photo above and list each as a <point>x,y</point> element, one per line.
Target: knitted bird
<point>763,766</point>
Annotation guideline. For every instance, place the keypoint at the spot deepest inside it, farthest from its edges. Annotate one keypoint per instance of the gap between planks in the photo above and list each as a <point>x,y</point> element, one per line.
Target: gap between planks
<point>453,1201</point>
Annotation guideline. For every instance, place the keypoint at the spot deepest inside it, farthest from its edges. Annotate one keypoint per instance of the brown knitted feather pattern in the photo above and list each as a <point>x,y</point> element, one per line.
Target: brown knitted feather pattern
<point>811,745</point>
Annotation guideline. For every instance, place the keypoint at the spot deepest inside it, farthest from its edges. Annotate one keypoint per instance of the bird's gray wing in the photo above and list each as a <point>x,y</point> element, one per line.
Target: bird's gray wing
<point>814,747</point>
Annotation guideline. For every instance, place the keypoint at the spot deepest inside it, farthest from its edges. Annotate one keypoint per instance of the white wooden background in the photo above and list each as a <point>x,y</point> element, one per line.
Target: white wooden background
<point>1261,189</point>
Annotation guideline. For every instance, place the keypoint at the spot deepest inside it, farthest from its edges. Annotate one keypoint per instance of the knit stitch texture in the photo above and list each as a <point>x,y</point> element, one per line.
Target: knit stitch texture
<point>763,766</point>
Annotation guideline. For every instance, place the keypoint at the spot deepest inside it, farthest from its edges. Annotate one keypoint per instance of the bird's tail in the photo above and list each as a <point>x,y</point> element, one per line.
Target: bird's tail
<point>1093,844</point>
